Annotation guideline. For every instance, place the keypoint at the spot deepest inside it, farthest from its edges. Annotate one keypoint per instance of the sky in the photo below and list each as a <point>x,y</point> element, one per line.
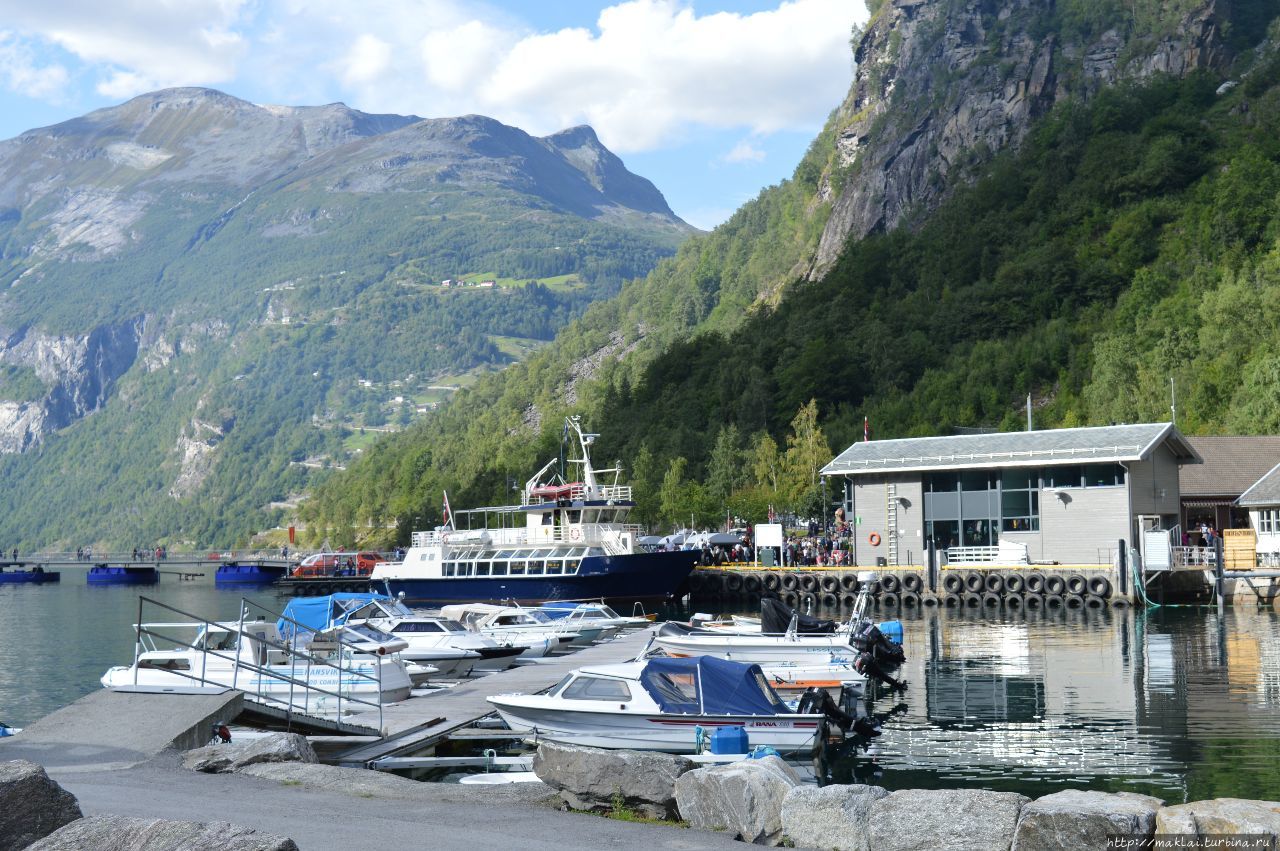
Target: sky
<point>712,100</point>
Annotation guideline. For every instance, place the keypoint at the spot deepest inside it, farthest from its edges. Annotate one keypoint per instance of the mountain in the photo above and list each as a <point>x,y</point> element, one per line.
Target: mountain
<point>230,294</point>
<point>1075,200</point>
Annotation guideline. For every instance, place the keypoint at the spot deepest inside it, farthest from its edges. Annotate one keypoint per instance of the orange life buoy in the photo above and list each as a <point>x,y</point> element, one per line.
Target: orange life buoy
<point>575,534</point>
<point>874,539</point>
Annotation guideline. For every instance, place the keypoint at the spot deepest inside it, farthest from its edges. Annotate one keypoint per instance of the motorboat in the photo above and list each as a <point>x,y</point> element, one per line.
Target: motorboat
<point>329,672</point>
<point>662,704</point>
<point>597,614</point>
<point>567,539</point>
<point>446,646</point>
<point>523,626</point>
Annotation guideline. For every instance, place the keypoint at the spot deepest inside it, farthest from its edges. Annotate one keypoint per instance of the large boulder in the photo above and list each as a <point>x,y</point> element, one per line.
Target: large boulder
<point>936,819</point>
<point>744,798</point>
<point>31,805</point>
<point>1221,815</point>
<point>222,759</point>
<point>829,816</point>
<point>1076,819</point>
<point>598,779</point>
<point>122,833</point>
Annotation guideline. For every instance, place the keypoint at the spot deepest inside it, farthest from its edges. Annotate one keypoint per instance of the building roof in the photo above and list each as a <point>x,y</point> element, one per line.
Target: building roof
<point>1265,491</point>
<point>1096,445</point>
<point>1231,465</point>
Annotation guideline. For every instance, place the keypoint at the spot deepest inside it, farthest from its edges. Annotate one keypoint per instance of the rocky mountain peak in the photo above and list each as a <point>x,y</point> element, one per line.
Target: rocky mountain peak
<point>605,171</point>
<point>941,86</point>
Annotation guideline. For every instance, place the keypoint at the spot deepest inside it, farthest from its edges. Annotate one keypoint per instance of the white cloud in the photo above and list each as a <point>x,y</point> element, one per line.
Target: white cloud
<point>138,44</point>
<point>21,72</point>
<point>744,152</point>
<point>645,74</point>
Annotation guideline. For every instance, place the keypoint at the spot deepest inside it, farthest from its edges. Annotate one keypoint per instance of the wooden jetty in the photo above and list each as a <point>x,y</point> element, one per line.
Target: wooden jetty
<point>421,722</point>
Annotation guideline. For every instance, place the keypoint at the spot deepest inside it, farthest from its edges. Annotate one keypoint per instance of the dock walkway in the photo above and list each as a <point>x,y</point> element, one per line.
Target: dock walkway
<point>422,721</point>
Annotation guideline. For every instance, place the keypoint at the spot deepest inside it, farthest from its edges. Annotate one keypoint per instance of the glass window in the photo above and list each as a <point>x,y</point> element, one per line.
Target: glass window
<point>941,482</point>
<point>555,688</point>
<point>597,688</point>
<point>450,569</point>
<point>517,568</point>
<point>571,566</point>
<point>1063,477</point>
<point>536,567</point>
<point>499,568</point>
<point>418,626</point>
<point>1103,475</point>
<point>555,567</point>
<point>482,568</point>
<point>977,480</point>
<point>945,533</point>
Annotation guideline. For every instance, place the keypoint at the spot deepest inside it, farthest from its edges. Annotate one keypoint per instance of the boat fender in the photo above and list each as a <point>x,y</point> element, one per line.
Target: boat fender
<point>874,539</point>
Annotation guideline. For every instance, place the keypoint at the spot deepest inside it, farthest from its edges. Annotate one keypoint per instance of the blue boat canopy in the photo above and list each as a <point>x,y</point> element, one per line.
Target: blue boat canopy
<point>317,613</point>
<point>705,685</point>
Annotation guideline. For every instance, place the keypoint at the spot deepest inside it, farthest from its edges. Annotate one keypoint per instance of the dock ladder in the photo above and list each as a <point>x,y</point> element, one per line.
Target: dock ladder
<point>891,520</point>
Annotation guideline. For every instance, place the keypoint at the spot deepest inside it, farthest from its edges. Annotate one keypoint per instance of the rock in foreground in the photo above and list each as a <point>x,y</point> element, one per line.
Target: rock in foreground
<point>937,819</point>
<point>830,816</point>
<point>32,806</point>
<point>1078,819</point>
<point>598,779</point>
<point>222,759</point>
<point>1221,815</point>
<point>121,833</point>
<point>744,798</point>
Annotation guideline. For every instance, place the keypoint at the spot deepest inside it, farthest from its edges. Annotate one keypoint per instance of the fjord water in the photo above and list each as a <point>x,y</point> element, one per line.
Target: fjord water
<point>1176,702</point>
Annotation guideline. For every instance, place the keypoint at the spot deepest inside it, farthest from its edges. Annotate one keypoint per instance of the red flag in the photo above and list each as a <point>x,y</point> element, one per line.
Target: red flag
<point>866,430</point>
<point>448,515</point>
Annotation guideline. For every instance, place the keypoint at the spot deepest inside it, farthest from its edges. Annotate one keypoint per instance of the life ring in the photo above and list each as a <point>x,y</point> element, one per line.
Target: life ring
<point>874,539</point>
<point>575,533</point>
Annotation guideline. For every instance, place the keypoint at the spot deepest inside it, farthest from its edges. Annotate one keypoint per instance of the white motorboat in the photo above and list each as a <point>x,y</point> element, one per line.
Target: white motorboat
<point>333,672</point>
<point>681,640</point>
<point>662,704</point>
<point>595,614</point>
<point>519,625</point>
<point>445,644</point>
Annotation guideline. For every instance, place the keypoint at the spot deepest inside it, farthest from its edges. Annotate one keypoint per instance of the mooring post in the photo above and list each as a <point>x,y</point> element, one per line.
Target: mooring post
<point>931,556</point>
<point>1122,567</point>
<point>1218,572</point>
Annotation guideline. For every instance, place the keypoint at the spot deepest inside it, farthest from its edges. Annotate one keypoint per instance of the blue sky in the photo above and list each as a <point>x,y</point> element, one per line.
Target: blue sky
<point>710,99</point>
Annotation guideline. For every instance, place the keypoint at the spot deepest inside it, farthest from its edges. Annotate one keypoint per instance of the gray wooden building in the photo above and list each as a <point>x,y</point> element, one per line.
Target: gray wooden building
<point>1069,495</point>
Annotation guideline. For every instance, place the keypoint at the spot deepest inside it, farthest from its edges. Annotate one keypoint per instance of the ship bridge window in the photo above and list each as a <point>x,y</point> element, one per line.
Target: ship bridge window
<point>571,566</point>
<point>555,566</point>
<point>597,688</point>
<point>574,516</point>
<point>449,569</point>
<point>499,568</point>
<point>422,556</point>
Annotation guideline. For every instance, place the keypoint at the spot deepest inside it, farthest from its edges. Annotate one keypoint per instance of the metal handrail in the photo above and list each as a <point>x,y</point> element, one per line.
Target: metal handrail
<point>264,672</point>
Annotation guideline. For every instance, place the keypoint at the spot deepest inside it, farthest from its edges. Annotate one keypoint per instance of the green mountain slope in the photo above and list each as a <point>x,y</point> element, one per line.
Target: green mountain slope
<point>1124,236</point>
<point>206,301</point>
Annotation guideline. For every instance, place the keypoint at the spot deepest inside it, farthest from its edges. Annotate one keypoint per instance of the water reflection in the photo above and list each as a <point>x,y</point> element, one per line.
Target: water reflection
<point>1177,703</point>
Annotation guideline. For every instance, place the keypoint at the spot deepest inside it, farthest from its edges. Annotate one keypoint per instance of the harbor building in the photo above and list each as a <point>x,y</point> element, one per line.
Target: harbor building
<point>1067,495</point>
<point>1262,501</point>
<point>1232,464</point>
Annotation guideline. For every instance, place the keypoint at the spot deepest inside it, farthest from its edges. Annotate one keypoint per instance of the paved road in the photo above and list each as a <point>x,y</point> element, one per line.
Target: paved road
<point>443,816</point>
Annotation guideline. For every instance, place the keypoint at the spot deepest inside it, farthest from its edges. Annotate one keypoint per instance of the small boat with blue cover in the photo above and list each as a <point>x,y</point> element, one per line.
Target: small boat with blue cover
<point>111,574</point>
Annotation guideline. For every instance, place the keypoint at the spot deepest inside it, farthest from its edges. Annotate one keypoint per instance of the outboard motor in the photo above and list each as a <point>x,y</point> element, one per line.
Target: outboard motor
<point>878,656</point>
<point>816,701</point>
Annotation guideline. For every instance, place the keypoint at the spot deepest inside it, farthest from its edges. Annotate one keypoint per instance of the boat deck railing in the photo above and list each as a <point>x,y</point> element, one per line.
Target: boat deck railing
<point>615,538</point>
<point>250,677</point>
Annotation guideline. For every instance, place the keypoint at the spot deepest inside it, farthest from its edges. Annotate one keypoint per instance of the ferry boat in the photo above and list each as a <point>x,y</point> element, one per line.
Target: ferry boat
<point>564,541</point>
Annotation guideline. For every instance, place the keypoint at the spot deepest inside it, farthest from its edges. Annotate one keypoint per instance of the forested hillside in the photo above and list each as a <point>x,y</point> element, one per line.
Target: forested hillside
<point>1129,238</point>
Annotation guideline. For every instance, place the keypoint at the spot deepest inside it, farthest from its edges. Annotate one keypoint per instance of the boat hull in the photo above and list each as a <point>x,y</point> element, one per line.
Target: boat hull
<point>760,650</point>
<point>656,732</point>
<point>28,577</point>
<point>103,575</point>
<point>638,576</point>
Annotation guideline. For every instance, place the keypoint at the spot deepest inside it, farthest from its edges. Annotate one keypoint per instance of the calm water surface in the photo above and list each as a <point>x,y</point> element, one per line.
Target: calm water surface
<point>1177,703</point>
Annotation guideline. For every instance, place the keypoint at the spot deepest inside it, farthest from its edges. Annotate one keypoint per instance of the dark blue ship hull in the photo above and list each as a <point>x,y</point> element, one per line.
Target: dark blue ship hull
<point>33,577</point>
<point>640,576</point>
<point>247,574</point>
<point>108,575</point>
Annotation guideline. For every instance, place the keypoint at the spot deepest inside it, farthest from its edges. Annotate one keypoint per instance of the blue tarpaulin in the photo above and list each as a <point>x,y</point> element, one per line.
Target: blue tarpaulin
<point>709,686</point>
<point>317,613</point>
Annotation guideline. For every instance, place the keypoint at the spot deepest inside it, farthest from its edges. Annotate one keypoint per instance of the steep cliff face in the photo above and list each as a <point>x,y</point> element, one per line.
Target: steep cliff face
<point>943,84</point>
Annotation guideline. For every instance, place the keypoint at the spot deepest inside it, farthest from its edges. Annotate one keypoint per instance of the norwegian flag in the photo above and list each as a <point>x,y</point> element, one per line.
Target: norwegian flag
<point>866,430</point>
<point>448,514</point>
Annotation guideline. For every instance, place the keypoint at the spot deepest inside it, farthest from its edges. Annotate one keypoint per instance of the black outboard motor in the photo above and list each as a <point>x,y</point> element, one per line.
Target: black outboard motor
<point>878,656</point>
<point>816,701</point>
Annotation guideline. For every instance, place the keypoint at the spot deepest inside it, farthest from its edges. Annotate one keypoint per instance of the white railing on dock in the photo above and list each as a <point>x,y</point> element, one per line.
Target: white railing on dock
<point>1194,557</point>
<point>301,662</point>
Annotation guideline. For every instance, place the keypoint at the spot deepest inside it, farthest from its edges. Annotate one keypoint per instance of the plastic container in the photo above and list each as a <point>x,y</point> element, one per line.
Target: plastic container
<point>729,740</point>
<point>891,630</point>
